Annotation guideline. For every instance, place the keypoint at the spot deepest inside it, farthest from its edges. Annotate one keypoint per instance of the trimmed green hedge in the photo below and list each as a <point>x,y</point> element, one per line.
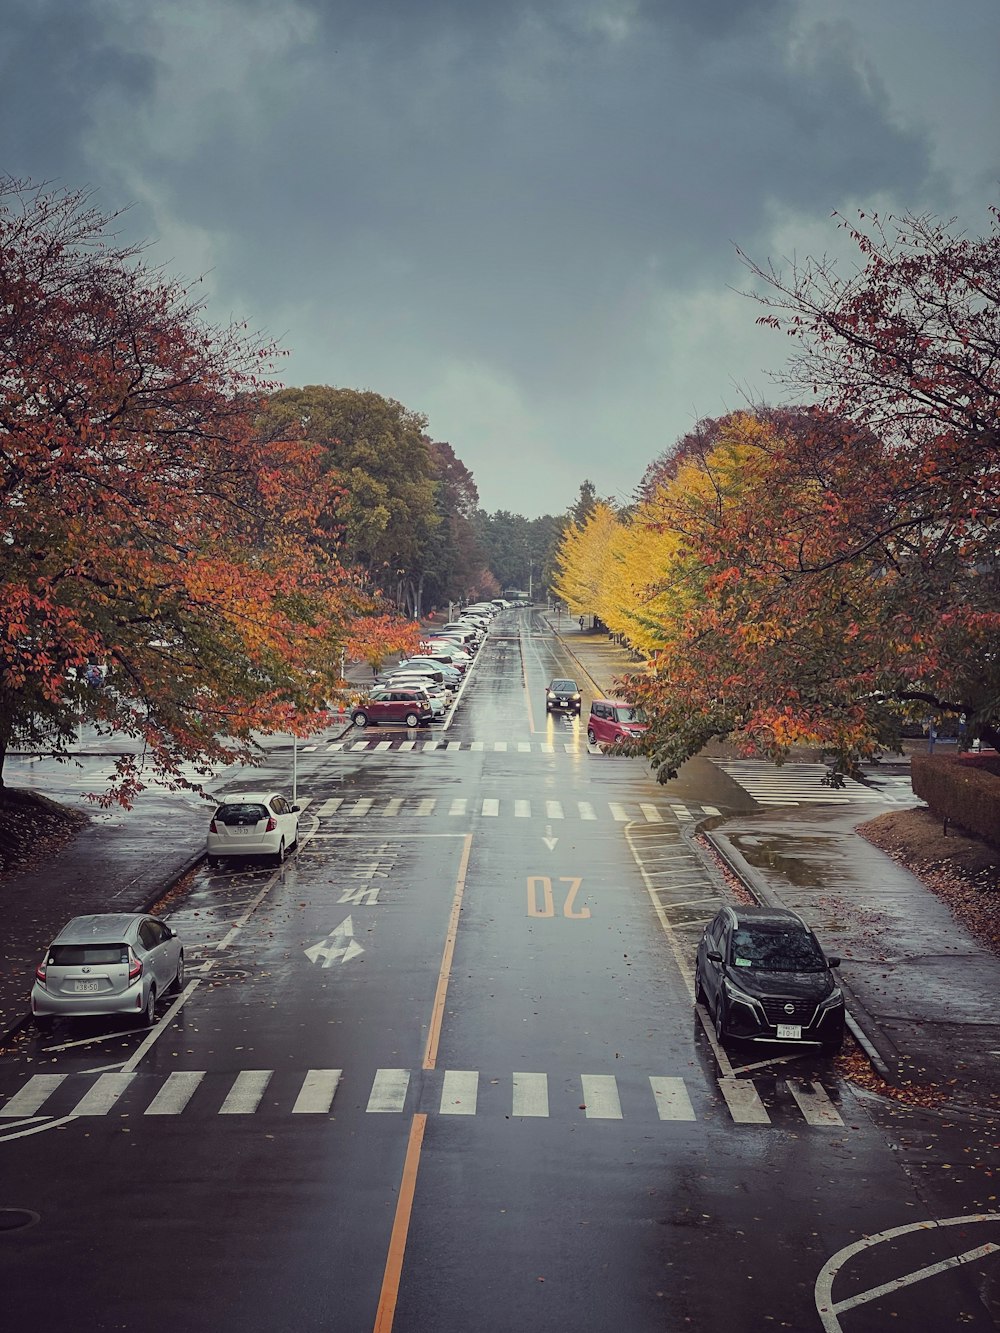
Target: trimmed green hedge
<point>964,793</point>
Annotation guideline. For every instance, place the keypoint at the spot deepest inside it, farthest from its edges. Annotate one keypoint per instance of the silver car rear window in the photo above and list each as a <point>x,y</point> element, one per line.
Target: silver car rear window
<point>84,955</point>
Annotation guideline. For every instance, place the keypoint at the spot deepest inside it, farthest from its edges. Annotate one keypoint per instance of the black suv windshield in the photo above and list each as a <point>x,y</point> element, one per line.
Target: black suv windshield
<point>776,950</point>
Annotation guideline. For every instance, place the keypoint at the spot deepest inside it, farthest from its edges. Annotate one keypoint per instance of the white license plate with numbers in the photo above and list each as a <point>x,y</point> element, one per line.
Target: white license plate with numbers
<point>789,1032</point>
<point>87,987</point>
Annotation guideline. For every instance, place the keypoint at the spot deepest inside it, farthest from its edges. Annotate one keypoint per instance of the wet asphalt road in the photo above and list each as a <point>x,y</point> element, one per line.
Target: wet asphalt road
<point>442,1072</point>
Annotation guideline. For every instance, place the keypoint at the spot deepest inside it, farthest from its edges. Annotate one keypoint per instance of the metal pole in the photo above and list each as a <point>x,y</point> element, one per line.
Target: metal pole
<point>295,769</point>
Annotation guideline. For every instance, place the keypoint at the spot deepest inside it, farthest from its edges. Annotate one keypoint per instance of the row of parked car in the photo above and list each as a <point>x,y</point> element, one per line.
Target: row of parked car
<point>419,689</point>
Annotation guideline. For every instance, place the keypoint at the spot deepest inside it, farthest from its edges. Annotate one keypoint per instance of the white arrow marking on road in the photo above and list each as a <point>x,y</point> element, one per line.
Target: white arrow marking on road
<point>549,841</point>
<point>340,946</point>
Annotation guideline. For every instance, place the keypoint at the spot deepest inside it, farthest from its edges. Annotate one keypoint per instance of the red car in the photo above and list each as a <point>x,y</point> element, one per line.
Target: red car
<point>394,703</point>
<point>614,720</point>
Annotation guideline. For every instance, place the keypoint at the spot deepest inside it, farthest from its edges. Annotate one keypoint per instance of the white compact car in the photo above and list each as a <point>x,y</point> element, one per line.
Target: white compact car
<point>253,823</point>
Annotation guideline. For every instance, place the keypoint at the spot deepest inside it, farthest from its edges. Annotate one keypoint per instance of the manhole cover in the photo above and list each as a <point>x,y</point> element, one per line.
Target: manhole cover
<point>15,1219</point>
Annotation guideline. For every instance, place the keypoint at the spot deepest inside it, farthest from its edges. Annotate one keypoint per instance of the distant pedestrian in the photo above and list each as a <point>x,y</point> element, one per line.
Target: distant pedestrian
<point>931,738</point>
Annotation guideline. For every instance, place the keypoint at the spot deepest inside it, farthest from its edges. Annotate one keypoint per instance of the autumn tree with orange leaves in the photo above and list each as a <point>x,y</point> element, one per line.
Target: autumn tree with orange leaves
<point>846,557</point>
<point>145,527</point>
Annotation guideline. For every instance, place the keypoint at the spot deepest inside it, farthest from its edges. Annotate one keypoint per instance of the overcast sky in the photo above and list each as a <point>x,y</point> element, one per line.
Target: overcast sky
<point>516,218</point>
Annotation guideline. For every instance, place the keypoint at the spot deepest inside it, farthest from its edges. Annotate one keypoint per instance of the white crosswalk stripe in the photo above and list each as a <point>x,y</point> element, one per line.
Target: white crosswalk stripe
<point>803,784</point>
<point>598,1097</point>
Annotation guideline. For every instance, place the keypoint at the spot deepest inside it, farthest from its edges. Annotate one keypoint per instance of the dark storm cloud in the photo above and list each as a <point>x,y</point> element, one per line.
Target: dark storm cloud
<point>55,59</point>
<point>513,182</point>
<point>525,205</point>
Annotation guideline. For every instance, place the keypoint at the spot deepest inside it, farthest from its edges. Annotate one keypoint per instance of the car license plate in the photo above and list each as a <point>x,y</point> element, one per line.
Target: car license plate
<point>243,830</point>
<point>789,1032</point>
<point>87,987</point>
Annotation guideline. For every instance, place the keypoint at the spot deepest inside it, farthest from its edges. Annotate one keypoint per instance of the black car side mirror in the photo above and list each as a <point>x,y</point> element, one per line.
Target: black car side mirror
<point>833,962</point>
<point>714,956</point>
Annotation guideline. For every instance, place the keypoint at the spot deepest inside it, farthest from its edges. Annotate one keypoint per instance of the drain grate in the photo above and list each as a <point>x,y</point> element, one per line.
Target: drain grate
<point>16,1219</point>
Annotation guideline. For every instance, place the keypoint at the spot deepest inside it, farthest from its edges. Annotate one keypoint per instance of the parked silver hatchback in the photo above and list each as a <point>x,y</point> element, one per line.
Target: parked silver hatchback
<point>108,963</point>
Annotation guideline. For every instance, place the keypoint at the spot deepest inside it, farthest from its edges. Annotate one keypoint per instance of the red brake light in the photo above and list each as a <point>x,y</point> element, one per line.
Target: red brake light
<point>272,824</point>
<point>134,967</point>
<point>212,828</point>
<point>40,973</point>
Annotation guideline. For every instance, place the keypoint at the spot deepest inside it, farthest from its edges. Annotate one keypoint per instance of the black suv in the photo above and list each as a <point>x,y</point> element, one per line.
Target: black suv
<point>563,695</point>
<point>763,977</point>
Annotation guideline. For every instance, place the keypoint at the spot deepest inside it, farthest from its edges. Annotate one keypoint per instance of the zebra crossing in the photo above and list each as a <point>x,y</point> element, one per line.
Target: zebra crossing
<point>380,745</point>
<point>348,809</point>
<point>523,1095</point>
<point>803,784</point>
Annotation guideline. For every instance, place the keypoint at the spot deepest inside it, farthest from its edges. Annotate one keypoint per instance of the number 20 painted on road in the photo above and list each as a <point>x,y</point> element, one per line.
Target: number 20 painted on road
<point>542,885</point>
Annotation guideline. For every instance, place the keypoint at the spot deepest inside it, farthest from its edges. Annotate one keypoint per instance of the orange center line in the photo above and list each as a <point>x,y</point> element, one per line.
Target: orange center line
<point>444,976</point>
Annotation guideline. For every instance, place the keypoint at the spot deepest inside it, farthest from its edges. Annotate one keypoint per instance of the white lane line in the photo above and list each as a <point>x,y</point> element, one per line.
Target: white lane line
<point>103,1095</point>
<point>317,1092</point>
<point>491,807</point>
<point>34,1094</point>
<point>459,1092</point>
<point>524,747</point>
<point>453,745</point>
<point>813,1102</point>
<point>431,745</point>
<point>360,745</point>
<point>175,1094</point>
<point>244,1096</point>
<point>651,814</point>
<point>618,812</point>
<point>745,1106</point>
<point>425,805</point>
<point>548,748</point>
<point>672,1100</point>
<point>361,806</point>
<point>407,745</point>
<point>459,805</point>
<point>389,1090</point>
<point>531,1095</point>
<point>330,807</point>
<point>392,807</point>
<point>478,745</point>
<point>334,746</point>
<point>522,809</point>
<point>384,745</point>
<point>554,810</point>
<point>682,813</point>
<point>586,810</point>
<point>711,810</point>
<point>600,1096</point>
<point>500,747</point>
